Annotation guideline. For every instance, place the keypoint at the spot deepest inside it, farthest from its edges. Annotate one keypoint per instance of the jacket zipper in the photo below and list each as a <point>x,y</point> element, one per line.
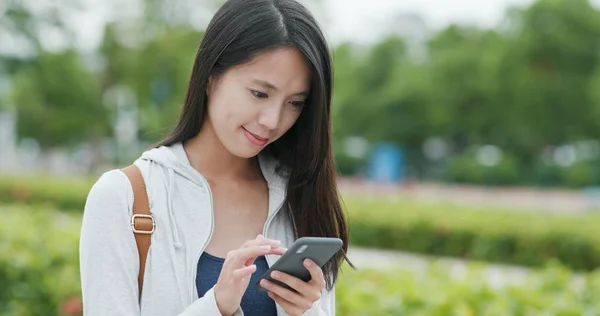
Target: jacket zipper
<point>266,227</point>
<point>194,291</point>
<point>265,232</point>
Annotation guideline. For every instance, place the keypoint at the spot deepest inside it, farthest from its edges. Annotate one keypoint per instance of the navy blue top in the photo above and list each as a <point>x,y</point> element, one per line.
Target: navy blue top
<point>254,302</point>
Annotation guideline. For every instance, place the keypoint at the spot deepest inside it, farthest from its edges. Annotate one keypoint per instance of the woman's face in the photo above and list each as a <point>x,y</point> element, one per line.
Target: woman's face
<point>254,104</point>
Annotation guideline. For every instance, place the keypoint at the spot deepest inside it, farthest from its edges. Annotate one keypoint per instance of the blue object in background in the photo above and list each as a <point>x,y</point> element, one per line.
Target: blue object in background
<point>386,163</point>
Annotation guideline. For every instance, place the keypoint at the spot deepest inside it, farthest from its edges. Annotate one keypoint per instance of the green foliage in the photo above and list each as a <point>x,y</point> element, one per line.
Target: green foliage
<point>65,194</point>
<point>496,235</point>
<point>40,276</point>
<point>526,86</point>
<point>437,290</point>
<point>491,234</point>
<point>580,175</point>
<point>59,101</point>
<point>466,169</point>
<point>157,70</point>
<point>39,256</point>
<point>523,87</point>
<point>348,166</point>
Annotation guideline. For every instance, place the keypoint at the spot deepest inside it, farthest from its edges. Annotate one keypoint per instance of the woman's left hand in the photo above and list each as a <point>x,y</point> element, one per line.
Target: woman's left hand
<point>296,304</point>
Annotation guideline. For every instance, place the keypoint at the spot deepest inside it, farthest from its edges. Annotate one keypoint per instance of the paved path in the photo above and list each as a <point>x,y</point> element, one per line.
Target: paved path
<point>547,200</point>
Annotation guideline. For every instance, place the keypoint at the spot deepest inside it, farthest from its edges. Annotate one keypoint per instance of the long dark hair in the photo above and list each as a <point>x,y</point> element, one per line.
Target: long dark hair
<point>239,31</point>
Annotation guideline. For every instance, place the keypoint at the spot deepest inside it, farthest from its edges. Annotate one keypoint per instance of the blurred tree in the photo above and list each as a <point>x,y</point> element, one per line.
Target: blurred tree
<point>526,86</point>
<point>58,101</point>
<point>364,91</point>
<point>162,74</point>
<point>552,56</point>
<point>157,70</point>
<point>464,64</point>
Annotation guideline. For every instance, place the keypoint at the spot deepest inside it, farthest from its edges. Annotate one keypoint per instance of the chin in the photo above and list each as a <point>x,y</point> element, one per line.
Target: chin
<point>242,152</point>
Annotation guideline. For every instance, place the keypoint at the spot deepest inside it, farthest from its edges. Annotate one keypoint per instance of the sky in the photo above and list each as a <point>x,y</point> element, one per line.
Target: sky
<point>360,21</point>
<point>364,20</point>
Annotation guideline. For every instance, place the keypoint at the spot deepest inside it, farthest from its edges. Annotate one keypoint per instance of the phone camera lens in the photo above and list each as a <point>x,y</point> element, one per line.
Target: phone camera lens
<point>302,249</point>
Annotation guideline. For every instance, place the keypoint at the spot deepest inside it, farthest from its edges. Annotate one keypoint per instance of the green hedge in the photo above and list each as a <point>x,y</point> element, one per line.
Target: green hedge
<point>65,194</point>
<point>39,271</point>
<point>497,235</point>
<point>434,291</point>
<point>39,276</point>
<point>506,236</point>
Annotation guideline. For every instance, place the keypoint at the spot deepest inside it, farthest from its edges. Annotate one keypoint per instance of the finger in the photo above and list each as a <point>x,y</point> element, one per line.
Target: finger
<point>316,274</point>
<point>260,242</point>
<point>274,251</point>
<point>278,251</point>
<point>295,298</point>
<point>245,271</point>
<point>302,287</point>
<point>289,307</point>
<point>240,256</point>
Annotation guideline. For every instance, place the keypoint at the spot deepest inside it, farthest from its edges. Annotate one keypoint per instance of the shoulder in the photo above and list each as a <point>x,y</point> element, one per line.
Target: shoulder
<point>110,182</point>
<point>111,191</point>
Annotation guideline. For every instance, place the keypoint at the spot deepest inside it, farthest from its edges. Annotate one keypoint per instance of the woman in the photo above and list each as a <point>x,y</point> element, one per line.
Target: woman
<point>247,170</point>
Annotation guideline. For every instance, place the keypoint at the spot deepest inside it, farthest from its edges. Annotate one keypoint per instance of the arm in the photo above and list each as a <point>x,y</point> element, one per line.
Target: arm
<point>109,262</point>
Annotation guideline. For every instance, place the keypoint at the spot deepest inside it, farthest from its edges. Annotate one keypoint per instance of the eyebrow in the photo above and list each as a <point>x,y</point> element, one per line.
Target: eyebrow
<point>271,86</point>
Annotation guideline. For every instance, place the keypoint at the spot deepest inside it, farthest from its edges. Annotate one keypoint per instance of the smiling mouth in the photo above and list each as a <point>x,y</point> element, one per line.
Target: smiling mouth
<point>255,139</point>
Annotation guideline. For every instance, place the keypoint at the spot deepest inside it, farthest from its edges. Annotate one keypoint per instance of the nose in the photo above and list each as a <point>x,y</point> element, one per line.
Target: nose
<point>270,116</point>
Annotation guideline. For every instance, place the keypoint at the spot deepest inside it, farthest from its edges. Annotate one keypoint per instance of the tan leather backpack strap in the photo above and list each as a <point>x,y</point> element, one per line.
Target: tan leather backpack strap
<point>142,222</point>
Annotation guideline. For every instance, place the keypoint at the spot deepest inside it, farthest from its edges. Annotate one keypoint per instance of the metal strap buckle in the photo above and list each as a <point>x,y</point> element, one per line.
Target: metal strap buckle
<point>145,232</point>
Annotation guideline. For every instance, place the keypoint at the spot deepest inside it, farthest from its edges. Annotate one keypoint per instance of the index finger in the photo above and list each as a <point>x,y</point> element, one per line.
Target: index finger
<point>260,242</point>
<point>243,254</point>
<point>316,274</point>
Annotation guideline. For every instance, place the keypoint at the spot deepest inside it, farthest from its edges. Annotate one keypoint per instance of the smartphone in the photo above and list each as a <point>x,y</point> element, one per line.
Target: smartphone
<point>318,249</point>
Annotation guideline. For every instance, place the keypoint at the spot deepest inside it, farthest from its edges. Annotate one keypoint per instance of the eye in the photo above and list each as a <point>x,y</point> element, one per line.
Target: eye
<point>298,104</point>
<point>258,94</point>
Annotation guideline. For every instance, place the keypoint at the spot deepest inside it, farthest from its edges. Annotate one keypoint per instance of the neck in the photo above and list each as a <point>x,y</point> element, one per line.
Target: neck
<point>208,155</point>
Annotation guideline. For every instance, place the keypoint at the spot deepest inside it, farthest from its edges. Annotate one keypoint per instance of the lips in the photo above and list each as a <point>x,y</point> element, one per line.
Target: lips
<point>255,139</point>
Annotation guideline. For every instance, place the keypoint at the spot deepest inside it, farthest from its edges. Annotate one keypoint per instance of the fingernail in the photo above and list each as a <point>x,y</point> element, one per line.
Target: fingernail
<point>275,275</point>
<point>308,263</point>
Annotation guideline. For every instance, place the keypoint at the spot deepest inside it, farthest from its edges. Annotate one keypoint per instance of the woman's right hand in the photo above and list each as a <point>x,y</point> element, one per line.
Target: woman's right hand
<point>237,270</point>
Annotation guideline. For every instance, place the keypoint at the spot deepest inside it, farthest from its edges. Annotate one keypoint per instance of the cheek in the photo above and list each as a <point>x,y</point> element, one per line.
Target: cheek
<point>227,109</point>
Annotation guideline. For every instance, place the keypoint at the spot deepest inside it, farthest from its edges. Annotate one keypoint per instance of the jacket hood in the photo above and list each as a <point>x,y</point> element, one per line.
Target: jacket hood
<point>174,158</point>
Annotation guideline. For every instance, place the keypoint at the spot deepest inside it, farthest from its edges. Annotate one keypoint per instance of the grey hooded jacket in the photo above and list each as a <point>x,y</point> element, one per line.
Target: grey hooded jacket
<point>181,203</point>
